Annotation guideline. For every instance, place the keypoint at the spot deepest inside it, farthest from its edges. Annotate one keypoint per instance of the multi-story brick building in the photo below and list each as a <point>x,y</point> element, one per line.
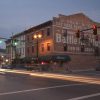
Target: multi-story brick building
<point>60,44</point>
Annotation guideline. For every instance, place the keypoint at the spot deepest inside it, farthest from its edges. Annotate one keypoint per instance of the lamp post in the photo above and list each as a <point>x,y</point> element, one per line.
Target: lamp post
<point>2,60</point>
<point>37,36</point>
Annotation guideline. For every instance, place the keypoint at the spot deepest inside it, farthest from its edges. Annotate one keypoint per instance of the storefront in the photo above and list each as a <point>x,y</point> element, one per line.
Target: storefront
<point>55,58</point>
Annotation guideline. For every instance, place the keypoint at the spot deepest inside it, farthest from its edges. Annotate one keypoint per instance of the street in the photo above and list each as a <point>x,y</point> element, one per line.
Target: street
<point>25,87</point>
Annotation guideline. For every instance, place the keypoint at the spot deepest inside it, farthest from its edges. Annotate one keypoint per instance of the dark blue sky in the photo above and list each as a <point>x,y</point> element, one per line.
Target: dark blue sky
<point>18,15</point>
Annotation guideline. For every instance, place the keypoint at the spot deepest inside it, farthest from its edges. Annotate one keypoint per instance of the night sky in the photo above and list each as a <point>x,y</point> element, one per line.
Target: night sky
<point>18,15</point>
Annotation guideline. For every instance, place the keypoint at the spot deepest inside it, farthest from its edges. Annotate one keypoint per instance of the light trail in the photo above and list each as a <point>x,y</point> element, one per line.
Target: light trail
<point>56,76</point>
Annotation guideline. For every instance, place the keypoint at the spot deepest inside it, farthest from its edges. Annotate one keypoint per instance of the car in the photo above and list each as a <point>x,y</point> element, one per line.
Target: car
<point>7,67</point>
<point>20,66</point>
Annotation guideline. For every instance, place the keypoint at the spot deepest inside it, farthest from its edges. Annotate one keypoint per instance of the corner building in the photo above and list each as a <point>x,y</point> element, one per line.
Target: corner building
<point>60,45</point>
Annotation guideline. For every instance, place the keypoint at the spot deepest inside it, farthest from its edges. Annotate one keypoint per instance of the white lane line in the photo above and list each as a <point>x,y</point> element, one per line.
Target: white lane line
<point>84,97</point>
<point>37,89</point>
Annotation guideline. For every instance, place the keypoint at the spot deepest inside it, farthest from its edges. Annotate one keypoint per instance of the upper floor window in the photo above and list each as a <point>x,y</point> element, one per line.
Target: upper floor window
<point>42,33</point>
<point>65,47</point>
<point>28,38</point>
<point>48,47</point>
<point>23,51</point>
<point>28,50</point>
<point>48,31</point>
<point>42,47</point>
<point>32,38</point>
<point>32,49</point>
<point>19,51</point>
<point>64,32</point>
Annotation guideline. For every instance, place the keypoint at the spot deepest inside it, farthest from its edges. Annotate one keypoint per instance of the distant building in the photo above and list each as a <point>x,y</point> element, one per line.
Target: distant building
<point>3,57</point>
<point>18,49</point>
<point>60,44</point>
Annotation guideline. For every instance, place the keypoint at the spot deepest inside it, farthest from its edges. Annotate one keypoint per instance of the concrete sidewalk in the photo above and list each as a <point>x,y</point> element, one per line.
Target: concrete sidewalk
<point>63,76</point>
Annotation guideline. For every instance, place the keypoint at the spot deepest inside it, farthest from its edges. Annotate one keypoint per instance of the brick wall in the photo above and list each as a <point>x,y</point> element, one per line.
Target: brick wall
<point>79,62</point>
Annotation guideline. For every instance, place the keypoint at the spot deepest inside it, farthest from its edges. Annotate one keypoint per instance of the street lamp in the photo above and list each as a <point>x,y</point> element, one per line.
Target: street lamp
<point>6,60</point>
<point>2,57</point>
<point>37,36</point>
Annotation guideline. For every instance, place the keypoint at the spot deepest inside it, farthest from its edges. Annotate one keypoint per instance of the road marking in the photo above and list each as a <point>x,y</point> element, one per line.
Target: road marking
<point>84,97</point>
<point>37,89</point>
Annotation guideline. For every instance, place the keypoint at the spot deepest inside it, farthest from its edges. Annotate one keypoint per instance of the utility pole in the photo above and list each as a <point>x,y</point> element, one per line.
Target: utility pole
<point>12,47</point>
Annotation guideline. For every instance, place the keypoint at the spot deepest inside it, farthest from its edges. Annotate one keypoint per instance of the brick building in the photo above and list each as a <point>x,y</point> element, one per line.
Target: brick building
<point>60,45</point>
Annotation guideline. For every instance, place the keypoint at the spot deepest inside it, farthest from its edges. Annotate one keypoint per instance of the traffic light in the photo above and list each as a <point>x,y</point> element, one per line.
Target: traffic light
<point>15,42</point>
<point>1,41</point>
<point>78,33</point>
<point>94,29</point>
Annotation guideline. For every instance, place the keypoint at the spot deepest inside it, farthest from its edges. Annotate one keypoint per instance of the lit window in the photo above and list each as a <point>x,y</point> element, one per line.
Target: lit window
<point>42,47</point>
<point>48,46</point>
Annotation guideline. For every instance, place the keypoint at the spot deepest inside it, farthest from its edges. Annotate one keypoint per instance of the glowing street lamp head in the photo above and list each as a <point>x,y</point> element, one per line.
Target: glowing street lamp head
<point>2,56</point>
<point>6,60</point>
<point>39,35</point>
<point>35,36</point>
<point>16,43</point>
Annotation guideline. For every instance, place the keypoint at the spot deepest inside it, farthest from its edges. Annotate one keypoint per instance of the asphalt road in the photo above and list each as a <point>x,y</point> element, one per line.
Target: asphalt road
<point>26,87</point>
<point>90,73</point>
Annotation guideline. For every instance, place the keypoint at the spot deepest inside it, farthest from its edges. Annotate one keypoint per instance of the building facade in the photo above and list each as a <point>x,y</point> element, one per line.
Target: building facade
<point>15,46</point>
<point>59,43</point>
<point>82,49</point>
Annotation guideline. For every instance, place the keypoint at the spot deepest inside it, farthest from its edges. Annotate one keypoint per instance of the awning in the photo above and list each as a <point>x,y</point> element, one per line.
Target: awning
<point>45,58</point>
<point>28,59</point>
<point>48,58</point>
<point>61,58</point>
<point>55,58</point>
